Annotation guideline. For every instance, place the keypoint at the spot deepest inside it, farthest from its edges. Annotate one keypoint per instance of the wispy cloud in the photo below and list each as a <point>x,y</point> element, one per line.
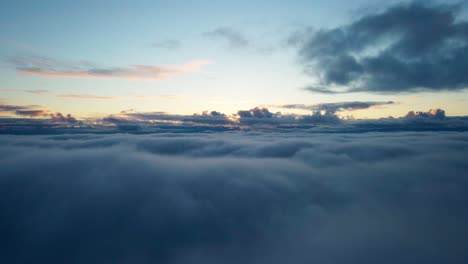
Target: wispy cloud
<point>233,37</point>
<point>38,92</point>
<point>52,68</point>
<point>94,96</point>
<point>85,96</point>
<point>169,44</point>
<point>129,97</point>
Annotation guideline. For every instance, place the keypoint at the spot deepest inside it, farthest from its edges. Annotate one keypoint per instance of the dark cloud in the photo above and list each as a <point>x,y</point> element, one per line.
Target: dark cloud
<point>31,113</point>
<point>36,112</point>
<point>407,48</point>
<point>234,198</point>
<point>257,112</point>
<point>24,110</point>
<point>335,107</point>
<point>433,113</point>
<point>328,117</point>
<point>234,38</point>
<point>138,122</point>
<point>59,117</point>
<point>9,108</point>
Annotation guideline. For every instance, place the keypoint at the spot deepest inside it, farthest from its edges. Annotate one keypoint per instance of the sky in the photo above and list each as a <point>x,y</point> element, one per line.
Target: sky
<point>93,59</point>
<point>226,132</point>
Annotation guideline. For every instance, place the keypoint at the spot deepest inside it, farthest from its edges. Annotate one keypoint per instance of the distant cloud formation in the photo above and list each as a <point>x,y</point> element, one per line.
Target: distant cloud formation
<point>31,112</point>
<point>63,118</point>
<point>52,68</point>
<point>409,47</point>
<point>256,112</point>
<point>434,113</point>
<point>335,107</point>
<point>323,118</point>
<point>233,37</point>
<point>139,121</point>
<point>236,197</point>
<point>36,111</point>
<point>24,110</point>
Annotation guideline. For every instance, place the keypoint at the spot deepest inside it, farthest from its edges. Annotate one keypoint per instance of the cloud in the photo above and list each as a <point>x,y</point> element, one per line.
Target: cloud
<point>96,97</point>
<point>234,38</point>
<point>323,119</point>
<point>54,69</point>
<point>256,112</point>
<point>336,107</point>
<point>129,97</point>
<point>86,96</point>
<point>36,111</point>
<point>169,44</point>
<point>409,47</point>
<point>24,110</point>
<point>31,113</point>
<point>135,120</point>
<point>58,117</point>
<point>234,198</point>
<point>7,108</point>
<point>38,92</point>
<point>433,113</point>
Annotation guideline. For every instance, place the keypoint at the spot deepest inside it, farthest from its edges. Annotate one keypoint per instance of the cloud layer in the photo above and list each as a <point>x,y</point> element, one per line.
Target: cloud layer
<point>407,48</point>
<point>323,119</point>
<point>234,198</point>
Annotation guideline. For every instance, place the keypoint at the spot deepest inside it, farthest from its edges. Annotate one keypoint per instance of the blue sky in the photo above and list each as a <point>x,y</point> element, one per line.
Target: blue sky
<point>261,71</point>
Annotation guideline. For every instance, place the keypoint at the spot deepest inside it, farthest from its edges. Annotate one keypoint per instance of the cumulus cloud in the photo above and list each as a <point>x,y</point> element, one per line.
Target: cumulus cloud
<point>433,113</point>
<point>257,112</point>
<point>234,198</point>
<point>48,67</point>
<point>407,48</point>
<point>59,117</point>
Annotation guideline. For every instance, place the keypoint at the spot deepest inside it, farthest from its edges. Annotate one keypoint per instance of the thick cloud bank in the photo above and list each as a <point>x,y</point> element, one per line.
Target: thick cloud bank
<point>234,198</point>
<point>408,47</point>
